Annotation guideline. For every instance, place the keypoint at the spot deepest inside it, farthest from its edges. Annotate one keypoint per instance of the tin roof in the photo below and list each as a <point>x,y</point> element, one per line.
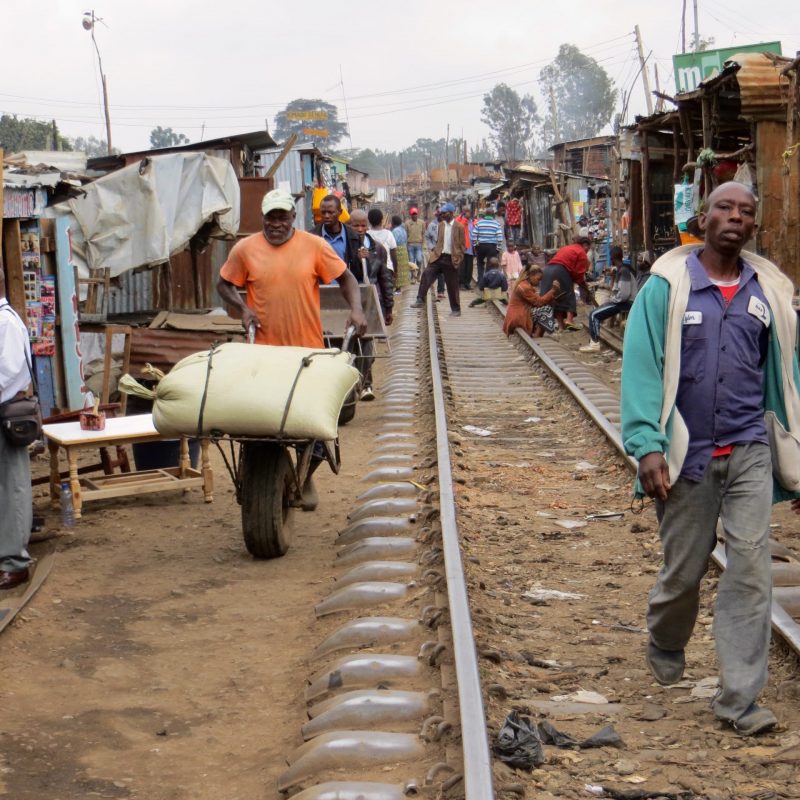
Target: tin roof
<point>762,86</point>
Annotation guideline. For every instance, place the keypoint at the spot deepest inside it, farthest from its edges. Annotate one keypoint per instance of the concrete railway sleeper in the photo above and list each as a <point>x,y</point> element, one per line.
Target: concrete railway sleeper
<point>395,691</point>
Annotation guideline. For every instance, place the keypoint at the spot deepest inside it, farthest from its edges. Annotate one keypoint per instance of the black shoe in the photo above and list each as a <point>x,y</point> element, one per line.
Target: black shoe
<point>418,303</point>
<point>666,665</point>
<point>755,720</point>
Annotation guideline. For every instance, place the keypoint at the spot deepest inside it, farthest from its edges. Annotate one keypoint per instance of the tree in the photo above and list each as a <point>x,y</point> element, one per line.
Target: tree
<point>512,120</point>
<point>580,96</point>
<point>304,115</point>
<point>482,153</point>
<point>166,137</point>
<point>30,134</point>
<point>93,147</point>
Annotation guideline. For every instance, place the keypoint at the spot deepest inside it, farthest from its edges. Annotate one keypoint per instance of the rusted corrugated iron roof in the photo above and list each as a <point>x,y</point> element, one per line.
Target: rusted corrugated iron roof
<point>762,87</point>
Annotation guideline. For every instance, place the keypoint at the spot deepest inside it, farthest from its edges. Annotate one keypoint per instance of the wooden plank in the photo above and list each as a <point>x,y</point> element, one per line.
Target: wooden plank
<point>647,215</point>
<point>770,145</point>
<point>12,258</point>
<point>74,378</point>
<point>290,143</point>
<point>149,488</point>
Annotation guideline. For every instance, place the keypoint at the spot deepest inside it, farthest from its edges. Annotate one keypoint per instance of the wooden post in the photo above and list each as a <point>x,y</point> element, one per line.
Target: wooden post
<point>290,143</point>
<point>708,143</point>
<point>12,257</point>
<point>789,235</point>
<point>686,130</point>
<point>646,209</point>
<point>677,167</point>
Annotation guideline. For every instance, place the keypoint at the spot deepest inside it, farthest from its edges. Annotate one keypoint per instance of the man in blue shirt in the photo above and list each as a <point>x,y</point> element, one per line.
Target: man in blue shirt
<point>710,409</point>
<point>487,239</point>
<point>331,228</point>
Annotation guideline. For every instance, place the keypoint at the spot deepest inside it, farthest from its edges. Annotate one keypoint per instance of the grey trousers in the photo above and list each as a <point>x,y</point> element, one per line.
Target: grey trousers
<point>16,511</point>
<point>737,489</point>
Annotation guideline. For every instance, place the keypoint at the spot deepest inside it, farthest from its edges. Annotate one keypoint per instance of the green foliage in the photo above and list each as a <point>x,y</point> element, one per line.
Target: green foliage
<point>29,134</point>
<point>512,120</point>
<point>285,127</point>
<point>584,96</point>
<point>166,137</point>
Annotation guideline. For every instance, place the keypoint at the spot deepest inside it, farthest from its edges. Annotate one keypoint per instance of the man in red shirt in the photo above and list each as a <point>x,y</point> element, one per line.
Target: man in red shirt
<point>569,267</point>
<point>514,219</point>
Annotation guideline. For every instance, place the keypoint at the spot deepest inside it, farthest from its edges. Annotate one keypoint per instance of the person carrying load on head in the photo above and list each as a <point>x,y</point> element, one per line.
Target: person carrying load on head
<point>281,268</point>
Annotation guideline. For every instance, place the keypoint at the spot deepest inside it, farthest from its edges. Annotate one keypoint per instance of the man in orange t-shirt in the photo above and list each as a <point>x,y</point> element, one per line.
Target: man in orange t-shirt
<point>281,269</point>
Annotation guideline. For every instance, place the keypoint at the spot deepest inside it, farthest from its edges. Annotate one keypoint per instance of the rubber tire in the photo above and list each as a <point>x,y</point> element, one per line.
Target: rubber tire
<point>267,484</point>
<point>348,411</point>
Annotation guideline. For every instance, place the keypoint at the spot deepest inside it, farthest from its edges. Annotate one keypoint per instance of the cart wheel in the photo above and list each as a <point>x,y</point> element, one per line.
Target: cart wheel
<point>267,484</point>
<point>349,408</point>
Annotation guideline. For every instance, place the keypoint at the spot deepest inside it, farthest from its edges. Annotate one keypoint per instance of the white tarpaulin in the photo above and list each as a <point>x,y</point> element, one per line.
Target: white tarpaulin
<point>142,214</point>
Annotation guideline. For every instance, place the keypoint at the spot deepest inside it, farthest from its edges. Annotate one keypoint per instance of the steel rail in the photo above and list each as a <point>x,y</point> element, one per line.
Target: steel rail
<point>782,622</point>
<point>475,745</point>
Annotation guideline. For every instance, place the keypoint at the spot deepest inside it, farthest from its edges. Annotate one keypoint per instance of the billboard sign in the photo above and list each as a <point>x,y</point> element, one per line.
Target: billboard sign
<point>307,116</point>
<point>692,68</point>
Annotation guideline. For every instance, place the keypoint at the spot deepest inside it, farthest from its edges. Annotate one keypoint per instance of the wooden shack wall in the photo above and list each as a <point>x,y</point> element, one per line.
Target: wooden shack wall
<point>783,250</point>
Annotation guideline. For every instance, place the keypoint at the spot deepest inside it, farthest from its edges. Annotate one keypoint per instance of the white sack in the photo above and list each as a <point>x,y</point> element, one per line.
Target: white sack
<point>248,390</point>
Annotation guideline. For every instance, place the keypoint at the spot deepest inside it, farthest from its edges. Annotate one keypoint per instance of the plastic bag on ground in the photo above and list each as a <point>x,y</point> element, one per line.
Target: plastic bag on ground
<point>605,737</point>
<point>518,743</point>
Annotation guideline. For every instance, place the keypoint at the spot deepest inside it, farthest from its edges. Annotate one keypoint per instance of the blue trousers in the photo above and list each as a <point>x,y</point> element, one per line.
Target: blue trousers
<point>606,311</point>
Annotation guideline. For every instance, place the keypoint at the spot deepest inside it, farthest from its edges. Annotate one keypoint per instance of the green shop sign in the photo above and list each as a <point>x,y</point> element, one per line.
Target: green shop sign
<point>692,68</point>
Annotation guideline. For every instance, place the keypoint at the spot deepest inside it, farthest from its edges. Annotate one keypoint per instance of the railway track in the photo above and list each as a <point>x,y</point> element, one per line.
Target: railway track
<point>403,693</point>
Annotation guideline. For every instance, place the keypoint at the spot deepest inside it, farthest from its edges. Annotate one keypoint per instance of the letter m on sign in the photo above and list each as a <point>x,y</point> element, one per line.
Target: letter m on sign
<point>689,79</point>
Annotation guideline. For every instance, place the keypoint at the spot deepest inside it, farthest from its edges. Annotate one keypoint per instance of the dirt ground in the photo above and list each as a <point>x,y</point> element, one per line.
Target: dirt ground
<point>159,661</point>
<point>517,506</point>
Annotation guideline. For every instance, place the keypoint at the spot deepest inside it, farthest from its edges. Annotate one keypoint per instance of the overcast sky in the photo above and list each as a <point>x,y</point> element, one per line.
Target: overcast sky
<point>408,69</point>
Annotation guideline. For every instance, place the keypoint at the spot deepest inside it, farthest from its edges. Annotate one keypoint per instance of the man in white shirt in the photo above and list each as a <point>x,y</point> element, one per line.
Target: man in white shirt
<point>445,259</point>
<point>15,465</point>
<point>385,237</point>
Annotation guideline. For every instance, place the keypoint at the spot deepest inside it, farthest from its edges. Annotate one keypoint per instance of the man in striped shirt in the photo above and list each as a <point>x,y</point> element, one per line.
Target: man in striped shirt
<point>487,239</point>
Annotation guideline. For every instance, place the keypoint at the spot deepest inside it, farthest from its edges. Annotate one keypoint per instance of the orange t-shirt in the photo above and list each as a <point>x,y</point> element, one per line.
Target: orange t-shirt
<point>283,285</point>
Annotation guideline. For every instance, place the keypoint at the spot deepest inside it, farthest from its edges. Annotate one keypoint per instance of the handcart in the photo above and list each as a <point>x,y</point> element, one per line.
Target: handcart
<point>269,475</point>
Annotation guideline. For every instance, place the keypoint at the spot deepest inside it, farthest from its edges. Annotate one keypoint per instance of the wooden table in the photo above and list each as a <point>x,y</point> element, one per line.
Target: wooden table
<point>119,431</point>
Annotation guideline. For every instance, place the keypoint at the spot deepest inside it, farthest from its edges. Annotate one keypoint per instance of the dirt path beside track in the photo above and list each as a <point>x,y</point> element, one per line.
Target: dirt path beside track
<point>159,661</point>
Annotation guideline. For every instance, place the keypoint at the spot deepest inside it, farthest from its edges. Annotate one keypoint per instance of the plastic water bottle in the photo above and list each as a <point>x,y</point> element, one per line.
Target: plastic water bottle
<point>67,511</point>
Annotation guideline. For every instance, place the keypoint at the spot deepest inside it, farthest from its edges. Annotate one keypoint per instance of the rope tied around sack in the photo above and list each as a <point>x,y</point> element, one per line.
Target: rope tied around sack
<point>304,363</point>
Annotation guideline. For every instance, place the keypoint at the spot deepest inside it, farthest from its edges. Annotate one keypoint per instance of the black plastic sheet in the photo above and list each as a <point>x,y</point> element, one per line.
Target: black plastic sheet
<point>518,743</point>
<point>605,737</point>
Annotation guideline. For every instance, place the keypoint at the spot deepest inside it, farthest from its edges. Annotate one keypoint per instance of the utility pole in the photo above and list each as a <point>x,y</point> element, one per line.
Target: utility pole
<point>645,77</point>
<point>447,155</point>
<point>89,22</point>
<point>660,101</point>
<point>696,45</point>
<point>683,27</point>
<point>554,114</point>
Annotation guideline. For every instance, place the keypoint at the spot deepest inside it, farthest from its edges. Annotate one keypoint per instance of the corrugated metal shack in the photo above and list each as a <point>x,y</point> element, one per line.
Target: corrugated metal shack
<point>296,173</point>
<point>188,280</point>
<point>553,201</point>
<point>734,119</point>
<point>592,157</point>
